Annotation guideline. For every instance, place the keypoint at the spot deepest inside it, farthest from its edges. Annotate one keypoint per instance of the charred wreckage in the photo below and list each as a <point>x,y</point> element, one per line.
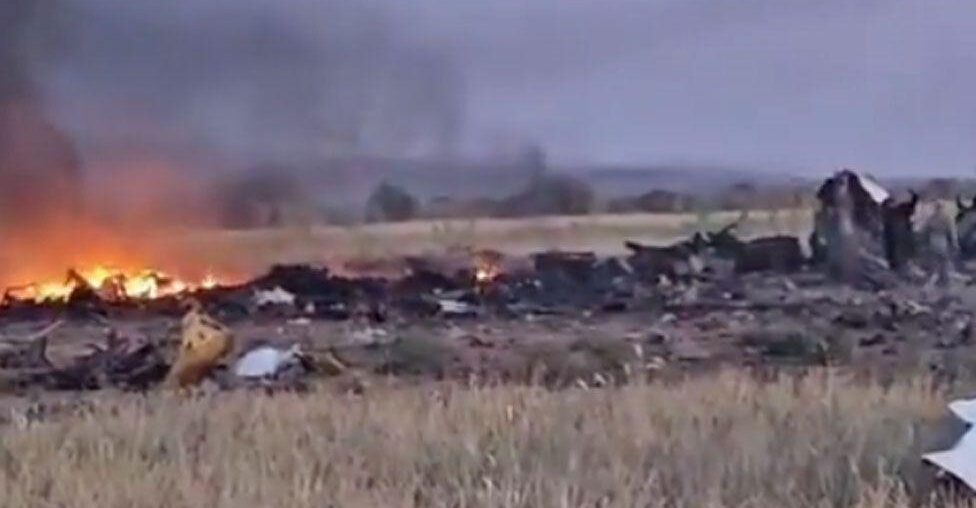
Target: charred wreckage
<point>870,273</point>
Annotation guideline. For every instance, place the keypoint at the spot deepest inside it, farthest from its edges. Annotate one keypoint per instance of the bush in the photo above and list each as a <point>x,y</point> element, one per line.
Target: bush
<point>390,203</point>
<point>550,195</point>
<point>259,198</point>
<point>654,201</point>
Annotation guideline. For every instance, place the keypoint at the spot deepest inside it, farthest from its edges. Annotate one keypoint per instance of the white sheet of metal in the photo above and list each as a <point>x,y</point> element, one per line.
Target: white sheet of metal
<point>873,188</point>
<point>960,460</point>
<point>965,409</point>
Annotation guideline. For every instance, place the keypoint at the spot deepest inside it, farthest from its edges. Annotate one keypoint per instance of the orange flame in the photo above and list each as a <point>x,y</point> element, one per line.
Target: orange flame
<point>111,284</point>
<point>487,267</point>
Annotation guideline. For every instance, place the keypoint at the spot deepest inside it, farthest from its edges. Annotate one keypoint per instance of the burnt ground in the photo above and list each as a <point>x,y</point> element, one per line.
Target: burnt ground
<point>533,327</point>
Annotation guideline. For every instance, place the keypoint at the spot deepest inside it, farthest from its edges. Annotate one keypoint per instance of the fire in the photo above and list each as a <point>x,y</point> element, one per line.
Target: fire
<point>487,266</point>
<point>111,284</point>
<point>485,274</point>
<point>209,282</point>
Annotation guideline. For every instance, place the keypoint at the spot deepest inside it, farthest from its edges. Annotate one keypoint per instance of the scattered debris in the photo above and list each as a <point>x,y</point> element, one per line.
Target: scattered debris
<point>204,344</point>
<point>710,299</point>
<point>960,460</point>
<point>772,253</point>
<point>456,308</point>
<point>268,362</point>
<point>276,296</point>
<point>675,262</point>
<point>31,352</point>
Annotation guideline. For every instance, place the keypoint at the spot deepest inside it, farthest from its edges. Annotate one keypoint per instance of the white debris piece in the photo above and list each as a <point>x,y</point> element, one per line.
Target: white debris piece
<point>965,409</point>
<point>960,460</point>
<point>873,188</point>
<point>456,308</point>
<point>267,361</point>
<point>276,296</point>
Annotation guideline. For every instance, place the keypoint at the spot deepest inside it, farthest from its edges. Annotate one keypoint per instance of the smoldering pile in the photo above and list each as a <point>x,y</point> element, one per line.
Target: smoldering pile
<point>869,294</point>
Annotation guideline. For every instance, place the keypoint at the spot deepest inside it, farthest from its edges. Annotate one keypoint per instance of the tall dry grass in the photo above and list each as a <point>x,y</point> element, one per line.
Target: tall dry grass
<point>723,440</point>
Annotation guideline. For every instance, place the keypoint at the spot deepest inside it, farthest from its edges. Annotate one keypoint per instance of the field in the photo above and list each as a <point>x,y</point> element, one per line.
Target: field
<point>718,440</point>
<point>714,428</point>
<point>253,250</point>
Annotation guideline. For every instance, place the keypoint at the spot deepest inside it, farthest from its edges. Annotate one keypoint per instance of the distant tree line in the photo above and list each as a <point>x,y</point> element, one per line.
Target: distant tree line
<point>268,197</point>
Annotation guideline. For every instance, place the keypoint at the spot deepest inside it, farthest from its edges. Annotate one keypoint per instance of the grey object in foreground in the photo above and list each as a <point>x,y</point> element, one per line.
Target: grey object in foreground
<point>960,460</point>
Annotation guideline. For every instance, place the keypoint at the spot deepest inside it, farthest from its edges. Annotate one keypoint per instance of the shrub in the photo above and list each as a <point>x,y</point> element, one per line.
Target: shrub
<point>390,203</point>
<point>258,198</point>
<point>550,195</point>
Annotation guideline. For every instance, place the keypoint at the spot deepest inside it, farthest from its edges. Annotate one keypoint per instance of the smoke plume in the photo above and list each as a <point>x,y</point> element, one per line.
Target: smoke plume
<point>39,169</point>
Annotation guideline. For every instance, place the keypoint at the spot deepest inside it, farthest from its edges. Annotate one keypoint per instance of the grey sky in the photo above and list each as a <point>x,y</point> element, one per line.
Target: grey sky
<point>800,84</point>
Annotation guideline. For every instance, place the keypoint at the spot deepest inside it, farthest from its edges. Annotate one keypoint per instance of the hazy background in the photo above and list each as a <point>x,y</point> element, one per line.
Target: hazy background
<point>778,85</point>
<point>121,120</point>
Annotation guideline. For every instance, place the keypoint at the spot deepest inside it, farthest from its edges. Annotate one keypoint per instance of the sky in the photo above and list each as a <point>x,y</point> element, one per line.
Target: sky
<point>780,85</point>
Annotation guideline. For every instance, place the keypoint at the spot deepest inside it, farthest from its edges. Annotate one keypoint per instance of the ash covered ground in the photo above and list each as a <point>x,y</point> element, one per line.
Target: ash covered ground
<point>567,319</point>
<point>882,292</point>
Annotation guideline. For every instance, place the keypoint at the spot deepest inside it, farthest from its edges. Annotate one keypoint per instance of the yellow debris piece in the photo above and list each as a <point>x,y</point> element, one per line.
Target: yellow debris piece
<point>205,342</point>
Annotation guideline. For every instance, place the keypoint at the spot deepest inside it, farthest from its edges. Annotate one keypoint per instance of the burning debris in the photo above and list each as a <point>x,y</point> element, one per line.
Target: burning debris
<point>713,296</point>
<point>107,284</point>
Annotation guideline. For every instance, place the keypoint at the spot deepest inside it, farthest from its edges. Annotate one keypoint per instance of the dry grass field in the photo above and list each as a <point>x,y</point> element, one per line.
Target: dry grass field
<point>711,441</point>
<point>247,252</point>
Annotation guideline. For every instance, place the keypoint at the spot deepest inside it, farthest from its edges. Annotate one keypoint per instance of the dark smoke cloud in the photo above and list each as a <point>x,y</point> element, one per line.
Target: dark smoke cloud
<point>257,80</point>
<point>39,169</point>
<point>14,18</point>
<point>885,85</point>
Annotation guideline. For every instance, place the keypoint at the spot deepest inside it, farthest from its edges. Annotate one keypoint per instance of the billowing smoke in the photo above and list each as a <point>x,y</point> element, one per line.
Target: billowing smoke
<point>882,85</point>
<point>39,168</point>
<point>255,81</point>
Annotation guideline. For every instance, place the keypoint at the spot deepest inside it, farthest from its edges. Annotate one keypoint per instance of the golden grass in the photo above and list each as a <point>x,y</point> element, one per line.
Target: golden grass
<point>248,252</point>
<point>722,440</point>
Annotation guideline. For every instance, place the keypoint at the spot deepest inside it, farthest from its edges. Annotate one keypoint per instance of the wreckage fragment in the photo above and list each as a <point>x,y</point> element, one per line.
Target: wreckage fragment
<point>118,364</point>
<point>960,460</point>
<point>268,362</point>
<point>205,342</point>
<point>857,225</point>
<point>966,227</point>
<point>865,193</point>
<point>33,352</point>
<point>780,253</point>
<point>272,297</point>
<point>899,235</point>
<point>452,307</point>
<point>677,261</point>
